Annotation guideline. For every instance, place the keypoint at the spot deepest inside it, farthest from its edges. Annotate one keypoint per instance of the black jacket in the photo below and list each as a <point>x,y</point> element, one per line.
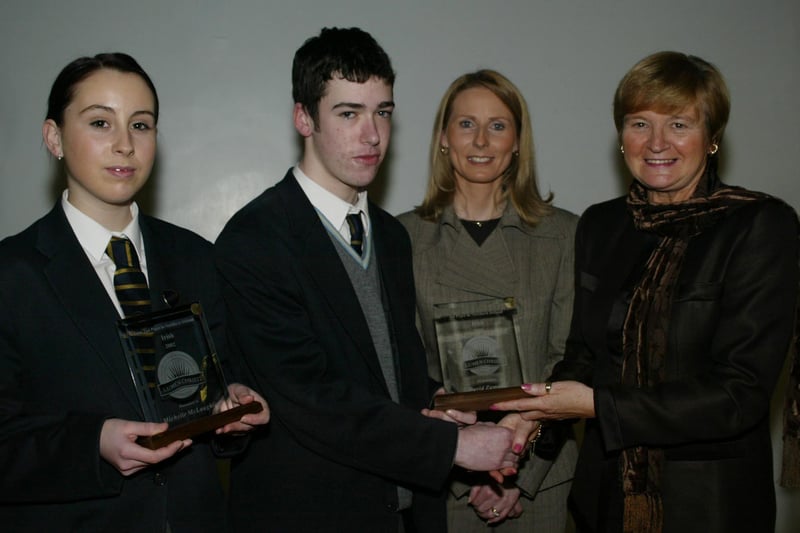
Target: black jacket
<point>63,372</point>
<point>337,445</point>
<point>729,334</point>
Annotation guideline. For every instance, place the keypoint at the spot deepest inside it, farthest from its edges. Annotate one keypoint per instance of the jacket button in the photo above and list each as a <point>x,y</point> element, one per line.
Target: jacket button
<point>159,479</point>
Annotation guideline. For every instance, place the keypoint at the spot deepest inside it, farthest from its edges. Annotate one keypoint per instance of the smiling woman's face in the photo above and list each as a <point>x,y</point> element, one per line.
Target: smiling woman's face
<point>481,136</point>
<point>666,153</point>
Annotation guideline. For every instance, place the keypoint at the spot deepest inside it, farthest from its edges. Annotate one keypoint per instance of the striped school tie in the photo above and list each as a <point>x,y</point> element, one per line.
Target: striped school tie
<point>129,281</point>
<point>356,231</point>
<point>134,298</point>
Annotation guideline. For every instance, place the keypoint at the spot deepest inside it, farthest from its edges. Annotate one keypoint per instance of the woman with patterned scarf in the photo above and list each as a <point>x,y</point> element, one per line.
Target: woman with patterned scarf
<point>684,310</point>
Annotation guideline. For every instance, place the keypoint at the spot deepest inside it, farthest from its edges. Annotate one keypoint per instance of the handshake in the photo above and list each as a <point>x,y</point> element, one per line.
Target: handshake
<point>485,446</point>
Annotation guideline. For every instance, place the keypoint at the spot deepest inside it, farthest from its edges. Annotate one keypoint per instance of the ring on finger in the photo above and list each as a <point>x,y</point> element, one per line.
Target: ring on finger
<point>547,387</point>
<point>495,512</point>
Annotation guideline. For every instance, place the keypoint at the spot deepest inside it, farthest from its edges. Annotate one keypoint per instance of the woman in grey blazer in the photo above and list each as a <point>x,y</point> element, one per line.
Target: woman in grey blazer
<point>484,232</point>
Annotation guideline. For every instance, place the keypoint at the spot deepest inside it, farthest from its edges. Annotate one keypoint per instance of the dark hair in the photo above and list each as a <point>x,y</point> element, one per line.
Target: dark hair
<point>349,53</point>
<point>519,179</point>
<point>666,82</point>
<point>63,89</point>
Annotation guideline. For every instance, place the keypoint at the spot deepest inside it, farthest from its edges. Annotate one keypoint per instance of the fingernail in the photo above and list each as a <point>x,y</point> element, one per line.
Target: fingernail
<point>526,386</point>
<point>493,408</point>
<point>517,448</point>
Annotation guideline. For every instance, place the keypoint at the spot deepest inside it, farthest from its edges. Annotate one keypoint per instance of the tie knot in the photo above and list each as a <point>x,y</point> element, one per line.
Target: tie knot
<point>122,252</point>
<point>130,283</point>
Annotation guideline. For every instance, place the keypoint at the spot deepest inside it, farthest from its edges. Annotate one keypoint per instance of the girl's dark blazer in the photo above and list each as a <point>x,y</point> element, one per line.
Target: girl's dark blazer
<point>63,372</point>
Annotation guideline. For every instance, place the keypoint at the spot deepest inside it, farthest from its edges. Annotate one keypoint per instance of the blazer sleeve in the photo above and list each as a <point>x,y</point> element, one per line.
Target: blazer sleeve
<point>561,304</point>
<point>44,456</point>
<point>578,361</point>
<point>554,434</point>
<point>739,325</point>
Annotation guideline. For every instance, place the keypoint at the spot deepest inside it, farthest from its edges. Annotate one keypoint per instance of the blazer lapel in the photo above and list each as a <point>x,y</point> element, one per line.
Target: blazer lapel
<point>319,257</point>
<point>620,260</point>
<point>617,257</point>
<point>161,265</point>
<point>466,270</point>
<point>84,299</point>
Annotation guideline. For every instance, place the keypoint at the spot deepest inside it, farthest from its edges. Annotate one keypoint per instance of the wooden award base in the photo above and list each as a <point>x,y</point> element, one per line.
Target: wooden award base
<point>477,400</point>
<point>198,427</point>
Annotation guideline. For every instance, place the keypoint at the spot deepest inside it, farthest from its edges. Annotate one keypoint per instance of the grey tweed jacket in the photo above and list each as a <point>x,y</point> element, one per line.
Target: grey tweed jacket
<point>535,266</point>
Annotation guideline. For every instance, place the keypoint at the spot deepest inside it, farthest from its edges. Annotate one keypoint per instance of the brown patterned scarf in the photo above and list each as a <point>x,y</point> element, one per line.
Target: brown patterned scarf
<point>646,326</point>
<point>790,468</point>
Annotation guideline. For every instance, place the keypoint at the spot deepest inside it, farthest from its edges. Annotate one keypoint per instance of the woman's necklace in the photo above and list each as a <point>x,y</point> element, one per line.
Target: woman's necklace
<point>480,230</point>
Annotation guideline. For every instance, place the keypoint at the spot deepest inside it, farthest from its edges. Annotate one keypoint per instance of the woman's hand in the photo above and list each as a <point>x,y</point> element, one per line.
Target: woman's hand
<point>118,445</point>
<point>564,400</point>
<point>524,430</point>
<point>495,503</point>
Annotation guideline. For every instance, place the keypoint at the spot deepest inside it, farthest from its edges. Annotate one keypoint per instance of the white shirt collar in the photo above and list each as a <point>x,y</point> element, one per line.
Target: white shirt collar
<point>94,237</point>
<point>333,208</point>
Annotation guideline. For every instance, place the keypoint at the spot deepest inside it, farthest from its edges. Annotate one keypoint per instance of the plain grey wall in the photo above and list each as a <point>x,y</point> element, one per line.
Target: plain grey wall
<point>222,70</point>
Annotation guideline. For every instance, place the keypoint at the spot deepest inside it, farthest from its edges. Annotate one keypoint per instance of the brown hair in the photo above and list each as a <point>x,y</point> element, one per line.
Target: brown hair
<point>63,89</point>
<point>668,82</point>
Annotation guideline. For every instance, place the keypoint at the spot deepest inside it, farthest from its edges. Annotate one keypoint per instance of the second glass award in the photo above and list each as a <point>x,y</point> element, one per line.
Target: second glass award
<point>477,343</point>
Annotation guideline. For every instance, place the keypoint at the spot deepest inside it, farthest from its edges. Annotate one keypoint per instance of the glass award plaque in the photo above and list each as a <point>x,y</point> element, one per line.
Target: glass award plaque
<point>478,348</point>
<point>176,373</point>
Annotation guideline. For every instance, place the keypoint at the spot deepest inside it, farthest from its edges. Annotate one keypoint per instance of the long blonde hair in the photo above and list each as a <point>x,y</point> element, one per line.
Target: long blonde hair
<point>519,179</point>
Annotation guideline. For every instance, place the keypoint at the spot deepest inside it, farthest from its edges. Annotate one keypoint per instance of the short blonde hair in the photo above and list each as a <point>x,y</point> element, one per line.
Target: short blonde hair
<point>519,179</point>
<point>668,82</point>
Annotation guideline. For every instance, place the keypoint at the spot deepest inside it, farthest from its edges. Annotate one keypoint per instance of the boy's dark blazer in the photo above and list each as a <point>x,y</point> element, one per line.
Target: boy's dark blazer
<point>337,445</point>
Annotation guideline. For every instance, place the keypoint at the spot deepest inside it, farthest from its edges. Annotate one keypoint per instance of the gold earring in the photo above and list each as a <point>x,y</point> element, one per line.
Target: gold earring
<point>714,149</point>
<point>621,149</point>
<point>444,150</point>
